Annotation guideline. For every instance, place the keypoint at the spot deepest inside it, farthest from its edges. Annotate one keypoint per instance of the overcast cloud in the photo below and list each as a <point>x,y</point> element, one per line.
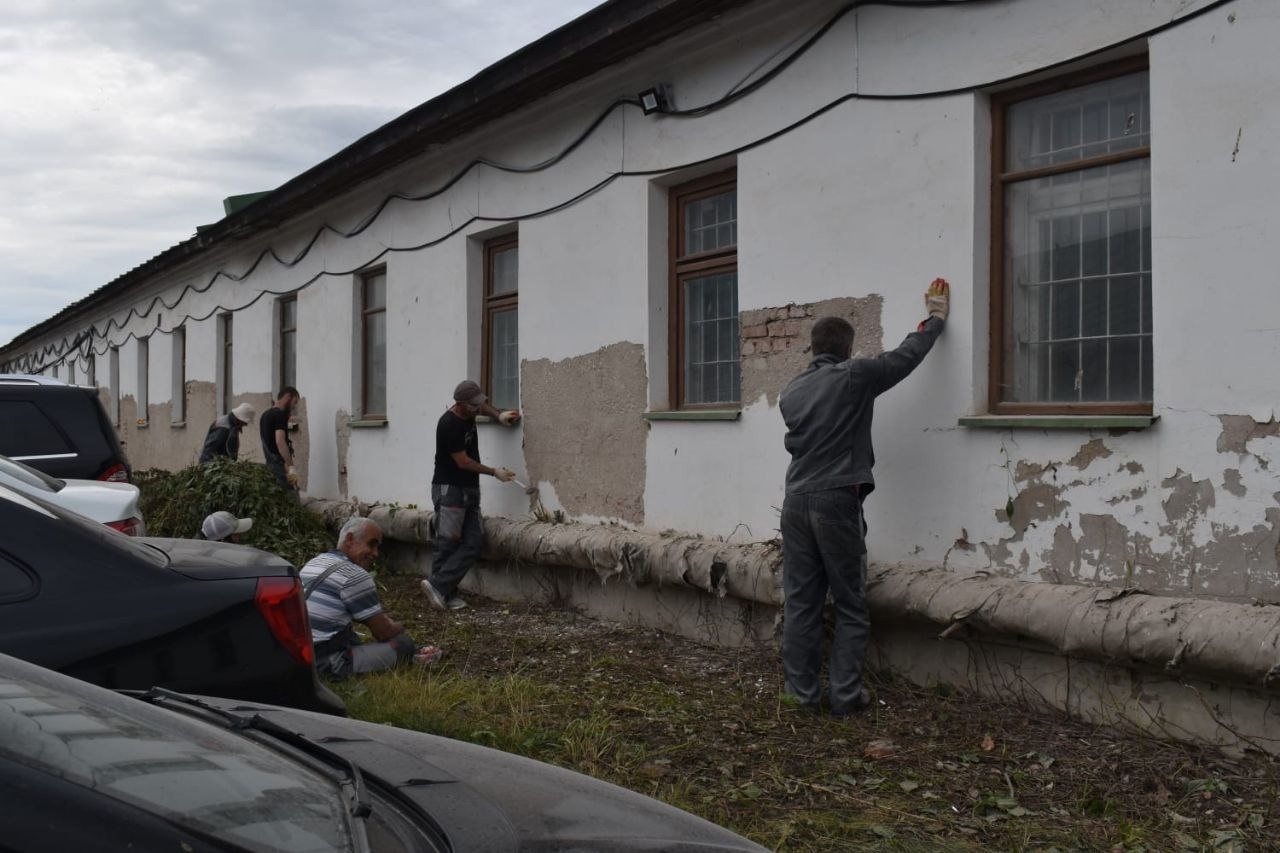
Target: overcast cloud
<point>124,123</point>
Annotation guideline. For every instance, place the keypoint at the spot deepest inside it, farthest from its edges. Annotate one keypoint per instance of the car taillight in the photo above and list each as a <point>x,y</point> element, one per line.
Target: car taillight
<point>279,601</point>
<point>128,526</point>
<point>117,473</point>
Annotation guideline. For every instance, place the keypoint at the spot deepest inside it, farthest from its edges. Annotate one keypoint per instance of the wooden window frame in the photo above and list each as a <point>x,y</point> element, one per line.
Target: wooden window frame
<point>178,381</point>
<point>682,266</point>
<point>226,343</point>
<point>281,331</point>
<point>1000,181</point>
<point>365,313</point>
<point>493,304</point>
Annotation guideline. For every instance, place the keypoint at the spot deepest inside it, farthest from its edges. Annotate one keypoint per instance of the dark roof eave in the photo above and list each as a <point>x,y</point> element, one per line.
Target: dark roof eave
<point>607,34</point>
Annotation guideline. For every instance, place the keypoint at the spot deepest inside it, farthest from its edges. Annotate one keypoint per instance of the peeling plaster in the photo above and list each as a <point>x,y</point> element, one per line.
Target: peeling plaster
<point>342,428</point>
<point>585,432</point>
<point>1088,453</point>
<point>775,341</point>
<point>1239,430</point>
<point>1231,482</point>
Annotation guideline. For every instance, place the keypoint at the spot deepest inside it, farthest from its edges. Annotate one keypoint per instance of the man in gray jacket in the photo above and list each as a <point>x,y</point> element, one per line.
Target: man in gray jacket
<point>223,438</point>
<point>827,410</point>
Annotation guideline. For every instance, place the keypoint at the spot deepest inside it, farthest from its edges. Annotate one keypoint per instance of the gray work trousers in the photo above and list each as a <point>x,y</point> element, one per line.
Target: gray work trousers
<point>459,535</point>
<point>823,549</point>
<point>359,658</point>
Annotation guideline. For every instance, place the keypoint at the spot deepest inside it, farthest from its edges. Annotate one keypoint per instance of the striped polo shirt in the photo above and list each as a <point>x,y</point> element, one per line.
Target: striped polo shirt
<point>348,594</point>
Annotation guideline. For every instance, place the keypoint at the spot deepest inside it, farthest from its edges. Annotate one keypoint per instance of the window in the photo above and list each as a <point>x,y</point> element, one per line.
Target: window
<point>90,371</point>
<point>113,383</point>
<point>373,340</point>
<point>178,393</point>
<point>144,371</point>
<point>1071,268</point>
<point>288,342</point>
<point>703,335</point>
<point>501,369</point>
<point>29,434</point>
<point>71,373</point>
<point>225,339</point>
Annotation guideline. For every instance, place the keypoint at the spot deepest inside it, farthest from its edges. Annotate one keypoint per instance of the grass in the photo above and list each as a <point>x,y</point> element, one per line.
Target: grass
<point>706,729</point>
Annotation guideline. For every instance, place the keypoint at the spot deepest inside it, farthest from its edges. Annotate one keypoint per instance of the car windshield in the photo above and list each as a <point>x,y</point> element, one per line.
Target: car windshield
<point>108,537</point>
<point>190,772</point>
<point>30,476</point>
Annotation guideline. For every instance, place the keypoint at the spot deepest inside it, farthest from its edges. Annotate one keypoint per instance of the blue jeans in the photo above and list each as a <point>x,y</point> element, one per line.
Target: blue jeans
<point>823,549</point>
<point>459,535</point>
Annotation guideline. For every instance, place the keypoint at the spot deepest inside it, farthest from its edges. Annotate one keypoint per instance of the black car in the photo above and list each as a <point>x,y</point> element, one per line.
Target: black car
<point>134,612</point>
<point>60,429</point>
<point>83,768</point>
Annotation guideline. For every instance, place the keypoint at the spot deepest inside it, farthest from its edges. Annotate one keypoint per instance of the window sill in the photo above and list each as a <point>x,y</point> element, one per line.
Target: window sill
<point>695,415</point>
<point>370,423</point>
<point>177,424</point>
<point>1059,421</point>
<point>142,424</point>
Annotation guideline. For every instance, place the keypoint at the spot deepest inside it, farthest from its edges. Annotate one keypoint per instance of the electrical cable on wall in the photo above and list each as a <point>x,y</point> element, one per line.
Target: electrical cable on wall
<point>61,350</point>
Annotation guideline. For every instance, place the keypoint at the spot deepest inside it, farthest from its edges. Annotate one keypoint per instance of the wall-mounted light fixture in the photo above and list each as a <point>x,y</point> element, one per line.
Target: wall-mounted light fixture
<point>656,100</point>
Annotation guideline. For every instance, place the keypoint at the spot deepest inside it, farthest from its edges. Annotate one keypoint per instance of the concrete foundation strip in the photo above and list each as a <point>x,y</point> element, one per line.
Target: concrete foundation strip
<point>1215,640</point>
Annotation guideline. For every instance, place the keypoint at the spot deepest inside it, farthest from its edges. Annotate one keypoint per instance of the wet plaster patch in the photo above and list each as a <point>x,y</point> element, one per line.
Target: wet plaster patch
<point>584,430</point>
<point>775,341</point>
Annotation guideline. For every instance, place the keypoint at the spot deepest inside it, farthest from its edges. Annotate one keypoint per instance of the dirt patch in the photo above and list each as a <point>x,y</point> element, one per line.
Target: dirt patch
<point>705,729</point>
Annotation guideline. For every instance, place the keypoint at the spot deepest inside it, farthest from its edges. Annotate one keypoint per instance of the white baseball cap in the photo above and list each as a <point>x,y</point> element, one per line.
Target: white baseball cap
<point>221,524</point>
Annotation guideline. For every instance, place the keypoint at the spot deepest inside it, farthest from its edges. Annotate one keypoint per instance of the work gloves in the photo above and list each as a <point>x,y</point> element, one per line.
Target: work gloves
<point>509,417</point>
<point>937,299</point>
<point>504,475</point>
<point>292,476</point>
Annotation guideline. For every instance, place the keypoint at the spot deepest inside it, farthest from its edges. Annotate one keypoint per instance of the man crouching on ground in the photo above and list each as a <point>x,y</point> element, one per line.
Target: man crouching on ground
<point>827,410</point>
<point>339,592</point>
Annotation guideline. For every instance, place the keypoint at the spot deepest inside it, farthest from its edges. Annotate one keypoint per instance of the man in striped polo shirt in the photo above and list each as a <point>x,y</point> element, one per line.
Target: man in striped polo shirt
<point>339,592</point>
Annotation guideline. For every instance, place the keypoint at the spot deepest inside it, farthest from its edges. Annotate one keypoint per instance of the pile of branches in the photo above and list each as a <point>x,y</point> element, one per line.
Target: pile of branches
<point>175,503</point>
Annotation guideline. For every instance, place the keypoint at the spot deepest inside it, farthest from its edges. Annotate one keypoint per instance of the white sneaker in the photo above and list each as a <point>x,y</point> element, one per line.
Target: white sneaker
<point>433,594</point>
<point>456,603</point>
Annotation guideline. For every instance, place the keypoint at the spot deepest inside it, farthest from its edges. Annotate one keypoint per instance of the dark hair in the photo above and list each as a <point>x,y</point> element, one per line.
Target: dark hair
<point>832,336</point>
<point>288,390</point>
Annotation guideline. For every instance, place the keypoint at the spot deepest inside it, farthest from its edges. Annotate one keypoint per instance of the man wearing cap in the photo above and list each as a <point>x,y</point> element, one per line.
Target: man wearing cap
<point>222,526</point>
<point>455,493</point>
<point>223,438</point>
<point>277,447</point>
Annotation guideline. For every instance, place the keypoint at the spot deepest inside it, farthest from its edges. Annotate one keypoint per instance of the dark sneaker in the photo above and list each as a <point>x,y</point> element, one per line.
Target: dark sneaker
<point>434,596</point>
<point>862,704</point>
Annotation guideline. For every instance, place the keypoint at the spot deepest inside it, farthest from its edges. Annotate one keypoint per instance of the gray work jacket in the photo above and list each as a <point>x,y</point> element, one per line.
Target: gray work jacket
<point>828,408</point>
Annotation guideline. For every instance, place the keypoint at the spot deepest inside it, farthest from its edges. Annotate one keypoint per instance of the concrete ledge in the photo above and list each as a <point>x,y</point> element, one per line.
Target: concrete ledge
<point>695,415</point>
<point>378,423</point>
<point>1197,670</point>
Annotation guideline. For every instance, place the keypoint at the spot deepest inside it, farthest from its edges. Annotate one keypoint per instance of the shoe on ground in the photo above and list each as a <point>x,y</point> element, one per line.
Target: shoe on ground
<point>434,596</point>
<point>456,603</point>
<point>862,703</point>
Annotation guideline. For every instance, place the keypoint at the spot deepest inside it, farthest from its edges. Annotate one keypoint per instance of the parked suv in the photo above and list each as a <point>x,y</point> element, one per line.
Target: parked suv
<point>59,429</point>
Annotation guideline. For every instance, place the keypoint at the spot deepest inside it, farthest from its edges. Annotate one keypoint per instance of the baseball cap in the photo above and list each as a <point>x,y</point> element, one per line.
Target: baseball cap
<point>221,524</point>
<point>469,392</point>
<point>243,413</point>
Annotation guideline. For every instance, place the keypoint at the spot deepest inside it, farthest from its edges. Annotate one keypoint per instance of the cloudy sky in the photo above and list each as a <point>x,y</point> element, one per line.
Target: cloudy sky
<point>124,123</point>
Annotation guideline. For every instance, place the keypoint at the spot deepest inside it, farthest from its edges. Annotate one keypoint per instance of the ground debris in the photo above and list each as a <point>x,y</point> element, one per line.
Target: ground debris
<point>707,730</point>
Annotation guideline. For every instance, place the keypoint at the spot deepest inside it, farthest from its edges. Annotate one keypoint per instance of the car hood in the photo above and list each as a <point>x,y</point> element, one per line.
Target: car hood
<point>203,560</point>
<point>486,799</point>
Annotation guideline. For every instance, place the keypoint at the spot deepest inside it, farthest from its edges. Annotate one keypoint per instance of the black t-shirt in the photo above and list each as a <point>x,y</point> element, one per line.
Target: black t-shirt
<point>273,419</point>
<point>453,434</point>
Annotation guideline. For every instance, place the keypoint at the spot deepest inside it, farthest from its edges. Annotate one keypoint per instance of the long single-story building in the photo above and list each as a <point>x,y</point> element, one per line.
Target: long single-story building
<point>627,229</point>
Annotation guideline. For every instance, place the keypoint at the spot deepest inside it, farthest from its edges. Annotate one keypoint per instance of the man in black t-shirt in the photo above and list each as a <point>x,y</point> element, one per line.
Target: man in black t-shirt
<point>455,493</point>
<point>277,447</point>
